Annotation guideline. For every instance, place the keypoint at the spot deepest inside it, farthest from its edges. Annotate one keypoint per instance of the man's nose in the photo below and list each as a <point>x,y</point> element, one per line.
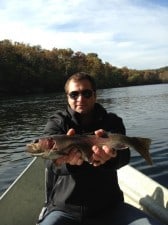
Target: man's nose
<point>80,97</point>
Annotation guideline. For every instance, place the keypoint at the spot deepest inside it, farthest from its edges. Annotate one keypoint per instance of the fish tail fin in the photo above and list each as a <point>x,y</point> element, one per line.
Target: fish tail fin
<point>142,146</point>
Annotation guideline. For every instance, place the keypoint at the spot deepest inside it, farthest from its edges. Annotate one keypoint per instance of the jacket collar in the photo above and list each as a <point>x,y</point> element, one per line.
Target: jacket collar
<point>98,113</point>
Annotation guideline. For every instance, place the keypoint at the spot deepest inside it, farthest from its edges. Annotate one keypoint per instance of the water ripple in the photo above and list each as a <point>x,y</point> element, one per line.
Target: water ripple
<point>143,109</point>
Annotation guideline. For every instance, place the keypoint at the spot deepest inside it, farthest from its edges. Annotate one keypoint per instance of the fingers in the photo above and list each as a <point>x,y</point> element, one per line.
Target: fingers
<point>100,156</point>
<point>100,133</point>
<point>110,152</point>
<point>71,132</point>
<point>74,158</point>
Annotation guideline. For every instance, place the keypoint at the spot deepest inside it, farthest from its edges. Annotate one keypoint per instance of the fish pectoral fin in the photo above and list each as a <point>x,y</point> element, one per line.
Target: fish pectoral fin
<point>121,146</point>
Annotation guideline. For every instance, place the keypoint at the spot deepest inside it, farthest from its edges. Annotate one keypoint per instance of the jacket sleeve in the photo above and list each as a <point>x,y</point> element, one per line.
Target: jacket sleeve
<point>116,125</point>
<point>122,159</point>
<point>55,124</point>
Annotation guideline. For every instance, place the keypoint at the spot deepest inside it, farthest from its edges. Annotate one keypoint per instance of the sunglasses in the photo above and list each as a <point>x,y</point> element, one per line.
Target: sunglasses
<point>85,93</point>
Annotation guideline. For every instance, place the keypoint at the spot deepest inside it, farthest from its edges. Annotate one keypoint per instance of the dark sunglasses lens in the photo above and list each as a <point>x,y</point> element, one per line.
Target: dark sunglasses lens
<point>74,94</point>
<point>84,93</point>
<point>87,93</point>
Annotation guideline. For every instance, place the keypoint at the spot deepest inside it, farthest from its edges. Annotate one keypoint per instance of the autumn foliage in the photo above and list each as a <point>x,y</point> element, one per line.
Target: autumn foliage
<point>26,69</point>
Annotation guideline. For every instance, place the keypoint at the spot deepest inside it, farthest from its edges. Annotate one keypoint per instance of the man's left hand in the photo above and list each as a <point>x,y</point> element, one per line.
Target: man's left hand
<point>101,155</point>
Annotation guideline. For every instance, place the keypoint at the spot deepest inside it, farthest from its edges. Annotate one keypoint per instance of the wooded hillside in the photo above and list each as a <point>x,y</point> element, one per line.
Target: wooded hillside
<point>28,69</point>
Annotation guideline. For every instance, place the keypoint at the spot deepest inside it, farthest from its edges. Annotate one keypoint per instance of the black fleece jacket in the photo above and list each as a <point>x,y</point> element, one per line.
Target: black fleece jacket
<point>84,189</point>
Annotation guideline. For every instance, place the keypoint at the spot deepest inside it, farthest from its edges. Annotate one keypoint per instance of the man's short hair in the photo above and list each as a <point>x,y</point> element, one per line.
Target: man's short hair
<point>78,77</point>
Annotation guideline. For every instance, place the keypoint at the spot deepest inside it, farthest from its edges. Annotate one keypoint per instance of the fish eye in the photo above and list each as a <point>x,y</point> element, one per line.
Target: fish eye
<point>36,141</point>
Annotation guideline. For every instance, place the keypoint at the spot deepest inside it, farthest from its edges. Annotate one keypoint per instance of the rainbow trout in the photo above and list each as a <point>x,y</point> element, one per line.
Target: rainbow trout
<point>55,146</point>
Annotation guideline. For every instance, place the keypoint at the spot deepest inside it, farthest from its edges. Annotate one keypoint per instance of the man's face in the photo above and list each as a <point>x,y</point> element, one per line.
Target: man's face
<point>81,97</point>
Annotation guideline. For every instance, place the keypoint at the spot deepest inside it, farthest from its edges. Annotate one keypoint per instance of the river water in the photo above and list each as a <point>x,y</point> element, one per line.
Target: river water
<point>144,110</point>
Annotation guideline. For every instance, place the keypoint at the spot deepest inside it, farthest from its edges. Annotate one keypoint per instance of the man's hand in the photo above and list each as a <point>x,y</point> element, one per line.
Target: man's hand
<point>101,155</point>
<point>74,157</point>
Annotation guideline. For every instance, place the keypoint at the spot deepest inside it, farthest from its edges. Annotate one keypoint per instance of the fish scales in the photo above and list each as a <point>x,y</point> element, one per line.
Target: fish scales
<point>55,146</point>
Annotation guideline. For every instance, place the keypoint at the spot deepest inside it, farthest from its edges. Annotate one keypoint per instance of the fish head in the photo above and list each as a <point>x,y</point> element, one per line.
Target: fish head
<point>43,147</point>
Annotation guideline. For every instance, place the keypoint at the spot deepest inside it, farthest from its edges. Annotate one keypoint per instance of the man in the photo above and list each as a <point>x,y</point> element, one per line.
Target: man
<point>79,192</point>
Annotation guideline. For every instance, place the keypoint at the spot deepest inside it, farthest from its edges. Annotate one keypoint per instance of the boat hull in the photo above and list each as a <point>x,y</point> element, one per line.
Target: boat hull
<point>24,199</point>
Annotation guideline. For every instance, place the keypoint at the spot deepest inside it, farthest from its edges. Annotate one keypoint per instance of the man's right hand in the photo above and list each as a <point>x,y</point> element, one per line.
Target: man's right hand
<point>74,157</point>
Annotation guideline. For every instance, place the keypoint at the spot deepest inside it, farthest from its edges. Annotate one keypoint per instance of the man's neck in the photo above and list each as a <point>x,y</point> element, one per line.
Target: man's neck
<point>85,119</point>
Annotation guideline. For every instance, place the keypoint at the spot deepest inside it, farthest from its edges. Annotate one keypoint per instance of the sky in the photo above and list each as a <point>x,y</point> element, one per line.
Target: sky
<point>124,33</point>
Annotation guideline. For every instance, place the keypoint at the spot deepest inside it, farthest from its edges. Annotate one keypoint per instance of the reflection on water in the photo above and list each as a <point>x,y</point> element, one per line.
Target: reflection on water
<point>143,109</point>
<point>21,120</point>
